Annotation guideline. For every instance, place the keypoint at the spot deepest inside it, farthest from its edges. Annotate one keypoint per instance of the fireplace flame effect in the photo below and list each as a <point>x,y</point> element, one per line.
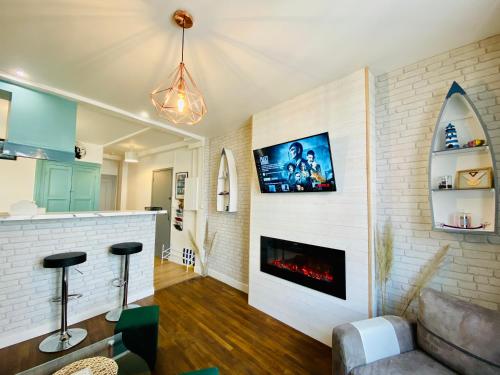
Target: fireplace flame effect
<point>305,270</point>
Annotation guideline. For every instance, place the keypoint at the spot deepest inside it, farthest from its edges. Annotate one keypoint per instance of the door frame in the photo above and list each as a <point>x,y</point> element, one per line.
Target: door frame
<point>169,209</point>
<point>115,197</point>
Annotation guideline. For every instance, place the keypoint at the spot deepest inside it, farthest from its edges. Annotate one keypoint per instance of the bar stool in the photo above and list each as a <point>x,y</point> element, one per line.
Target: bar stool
<point>127,249</point>
<point>65,338</point>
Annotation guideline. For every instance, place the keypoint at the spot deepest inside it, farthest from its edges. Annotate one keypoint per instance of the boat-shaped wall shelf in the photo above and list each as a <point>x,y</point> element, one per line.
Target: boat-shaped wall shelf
<point>462,172</point>
<point>227,183</point>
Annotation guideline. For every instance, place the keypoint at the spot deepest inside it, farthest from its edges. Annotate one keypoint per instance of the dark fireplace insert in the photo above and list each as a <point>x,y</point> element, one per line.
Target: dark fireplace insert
<point>316,267</point>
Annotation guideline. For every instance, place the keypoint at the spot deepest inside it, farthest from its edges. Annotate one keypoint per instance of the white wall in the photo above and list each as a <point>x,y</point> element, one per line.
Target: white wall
<point>110,167</point>
<point>408,103</point>
<point>229,258</point>
<point>139,187</point>
<point>17,181</point>
<point>337,219</point>
<point>94,153</point>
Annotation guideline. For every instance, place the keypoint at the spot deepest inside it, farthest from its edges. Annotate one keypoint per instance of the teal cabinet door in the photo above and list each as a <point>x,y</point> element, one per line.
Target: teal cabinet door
<point>53,186</point>
<point>85,185</point>
<point>64,187</point>
<point>39,119</point>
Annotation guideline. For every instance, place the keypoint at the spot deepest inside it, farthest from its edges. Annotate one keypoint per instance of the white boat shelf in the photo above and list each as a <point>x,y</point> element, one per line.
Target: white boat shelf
<point>227,183</point>
<point>481,203</point>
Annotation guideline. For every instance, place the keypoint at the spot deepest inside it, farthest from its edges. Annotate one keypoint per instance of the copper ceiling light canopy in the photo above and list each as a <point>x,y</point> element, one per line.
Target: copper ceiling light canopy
<point>181,102</point>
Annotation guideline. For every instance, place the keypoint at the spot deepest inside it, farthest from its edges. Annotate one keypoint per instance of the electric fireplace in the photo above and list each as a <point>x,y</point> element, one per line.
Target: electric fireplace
<point>316,267</point>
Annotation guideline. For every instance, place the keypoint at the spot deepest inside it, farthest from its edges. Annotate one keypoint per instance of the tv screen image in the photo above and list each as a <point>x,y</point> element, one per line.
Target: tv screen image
<point>301,165</point>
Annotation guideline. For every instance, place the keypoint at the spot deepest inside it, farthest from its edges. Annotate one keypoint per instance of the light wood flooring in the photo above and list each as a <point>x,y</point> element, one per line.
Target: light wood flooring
<point>168,273</point>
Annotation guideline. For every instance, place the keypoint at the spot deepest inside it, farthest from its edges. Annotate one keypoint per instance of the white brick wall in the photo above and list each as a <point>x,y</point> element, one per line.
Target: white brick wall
<point>408,101</point>
<point>26,288</point>
<point>336,219</point>
<point>229,259</point>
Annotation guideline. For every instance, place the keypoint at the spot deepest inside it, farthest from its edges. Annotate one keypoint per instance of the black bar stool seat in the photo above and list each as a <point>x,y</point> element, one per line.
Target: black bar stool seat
<point>125,249</point>
<point>65,338</point>
<point>64,259</point>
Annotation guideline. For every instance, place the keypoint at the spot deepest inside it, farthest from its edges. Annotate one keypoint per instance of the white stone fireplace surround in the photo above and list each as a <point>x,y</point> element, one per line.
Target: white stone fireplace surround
<point>338,220</point>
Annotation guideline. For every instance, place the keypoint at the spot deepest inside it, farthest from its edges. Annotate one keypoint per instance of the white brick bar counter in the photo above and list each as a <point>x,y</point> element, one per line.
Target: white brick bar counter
<point>26,288</point>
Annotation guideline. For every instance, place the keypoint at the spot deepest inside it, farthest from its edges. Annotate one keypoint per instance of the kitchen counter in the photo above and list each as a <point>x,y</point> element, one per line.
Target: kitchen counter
<point>4,216</point>
<point>26,287</point>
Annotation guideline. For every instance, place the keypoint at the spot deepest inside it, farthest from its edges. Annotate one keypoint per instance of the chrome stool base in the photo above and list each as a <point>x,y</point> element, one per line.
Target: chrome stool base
<point>114,315</point>
<point>59,342</point>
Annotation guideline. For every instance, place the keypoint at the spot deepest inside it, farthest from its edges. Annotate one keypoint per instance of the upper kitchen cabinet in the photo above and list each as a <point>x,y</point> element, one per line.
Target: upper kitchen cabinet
<point>39,125</point>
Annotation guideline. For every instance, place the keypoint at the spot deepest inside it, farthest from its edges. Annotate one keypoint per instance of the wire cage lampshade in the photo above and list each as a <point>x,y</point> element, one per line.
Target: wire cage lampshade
<point>181,102</point>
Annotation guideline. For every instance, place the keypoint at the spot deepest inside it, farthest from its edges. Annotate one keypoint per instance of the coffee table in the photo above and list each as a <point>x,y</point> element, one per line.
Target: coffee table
<point>112,347</point>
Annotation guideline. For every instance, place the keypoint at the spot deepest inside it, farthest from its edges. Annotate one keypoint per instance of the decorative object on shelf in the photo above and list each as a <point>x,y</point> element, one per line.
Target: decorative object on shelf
<point>203,251</point>
<point>463,220</point>
<point>23,207</point>
<point>180,184</point>
<point>80,151</point>
<point>451,137</point>
<point>474,143</point>
<point>181,102</point>
<point>384,256</point>
<point>179,216</point>
<point>472,167</point>
<point>424,276</point>
<point>188,258</point>
<point>445,183</point>
<point>475,178</point>
<point>227,183</point>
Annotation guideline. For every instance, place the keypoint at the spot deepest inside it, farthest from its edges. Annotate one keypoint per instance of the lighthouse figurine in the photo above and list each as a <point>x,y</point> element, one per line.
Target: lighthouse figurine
<point>451,137</point>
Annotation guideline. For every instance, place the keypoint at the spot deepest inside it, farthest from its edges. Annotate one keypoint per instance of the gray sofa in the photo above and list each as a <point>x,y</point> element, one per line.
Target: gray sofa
<point>451,336</point>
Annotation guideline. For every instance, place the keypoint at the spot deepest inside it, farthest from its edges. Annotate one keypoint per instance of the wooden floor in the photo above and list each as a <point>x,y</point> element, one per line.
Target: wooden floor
<point>169,273</point>
<point>203,323</point>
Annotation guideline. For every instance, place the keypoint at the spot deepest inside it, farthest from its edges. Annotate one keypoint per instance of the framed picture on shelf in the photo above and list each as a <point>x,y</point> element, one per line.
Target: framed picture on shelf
<point>180,183</point>
<point>480,178</point>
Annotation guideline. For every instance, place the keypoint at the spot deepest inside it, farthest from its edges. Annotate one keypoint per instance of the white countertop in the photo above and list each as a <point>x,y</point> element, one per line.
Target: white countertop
<point>76,215</point>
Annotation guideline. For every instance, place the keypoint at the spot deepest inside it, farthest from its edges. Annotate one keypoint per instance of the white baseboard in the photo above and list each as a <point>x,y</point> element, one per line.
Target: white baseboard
<point>53,325</point>
<point>228,280</point>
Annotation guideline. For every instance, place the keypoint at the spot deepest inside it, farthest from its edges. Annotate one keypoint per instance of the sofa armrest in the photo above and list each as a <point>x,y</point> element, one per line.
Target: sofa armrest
<point>359,343</point>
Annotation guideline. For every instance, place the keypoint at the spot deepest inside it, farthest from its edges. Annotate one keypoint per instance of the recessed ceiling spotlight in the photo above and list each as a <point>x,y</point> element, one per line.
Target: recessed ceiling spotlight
<point>144,114</point>
<point>21,73</point>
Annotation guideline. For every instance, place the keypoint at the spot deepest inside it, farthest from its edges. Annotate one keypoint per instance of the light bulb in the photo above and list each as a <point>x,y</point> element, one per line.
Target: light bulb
<point>180,102</point>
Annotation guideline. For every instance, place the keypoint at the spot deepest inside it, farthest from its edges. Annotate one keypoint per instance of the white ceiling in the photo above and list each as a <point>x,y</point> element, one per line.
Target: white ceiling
<point>244,55</point>
<point>118,134</point>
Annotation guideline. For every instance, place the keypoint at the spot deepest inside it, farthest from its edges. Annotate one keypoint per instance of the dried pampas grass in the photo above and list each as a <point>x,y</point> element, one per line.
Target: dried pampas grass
<point>384,249</point>
<point>425,276</point>
<point>203,253</point>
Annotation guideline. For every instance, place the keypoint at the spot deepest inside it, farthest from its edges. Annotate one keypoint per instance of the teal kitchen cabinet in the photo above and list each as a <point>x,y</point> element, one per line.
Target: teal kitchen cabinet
<point>67,187</point>
<point>39,119</point>
<point>85,187</point>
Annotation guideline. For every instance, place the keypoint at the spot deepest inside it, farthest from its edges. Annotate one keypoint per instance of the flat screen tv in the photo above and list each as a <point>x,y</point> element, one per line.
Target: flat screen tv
<point>301,165</point>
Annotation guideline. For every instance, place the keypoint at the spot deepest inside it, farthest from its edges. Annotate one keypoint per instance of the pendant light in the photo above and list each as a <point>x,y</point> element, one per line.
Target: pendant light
<point>181,102</point>
<point>131,157</point>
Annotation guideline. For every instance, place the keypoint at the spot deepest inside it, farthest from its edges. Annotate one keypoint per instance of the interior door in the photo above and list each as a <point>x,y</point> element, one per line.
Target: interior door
<point>53,185</point>
<point>85,187</point>
<point>107,201</point>
<point>161,196</point>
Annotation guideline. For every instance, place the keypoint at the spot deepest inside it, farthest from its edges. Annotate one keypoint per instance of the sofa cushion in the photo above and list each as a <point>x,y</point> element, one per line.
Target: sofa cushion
<point>461,335</point>
<point>414,362</point>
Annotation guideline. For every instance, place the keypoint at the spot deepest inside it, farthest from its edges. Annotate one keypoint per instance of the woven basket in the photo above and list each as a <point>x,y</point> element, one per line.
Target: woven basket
<point>98,366</point>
